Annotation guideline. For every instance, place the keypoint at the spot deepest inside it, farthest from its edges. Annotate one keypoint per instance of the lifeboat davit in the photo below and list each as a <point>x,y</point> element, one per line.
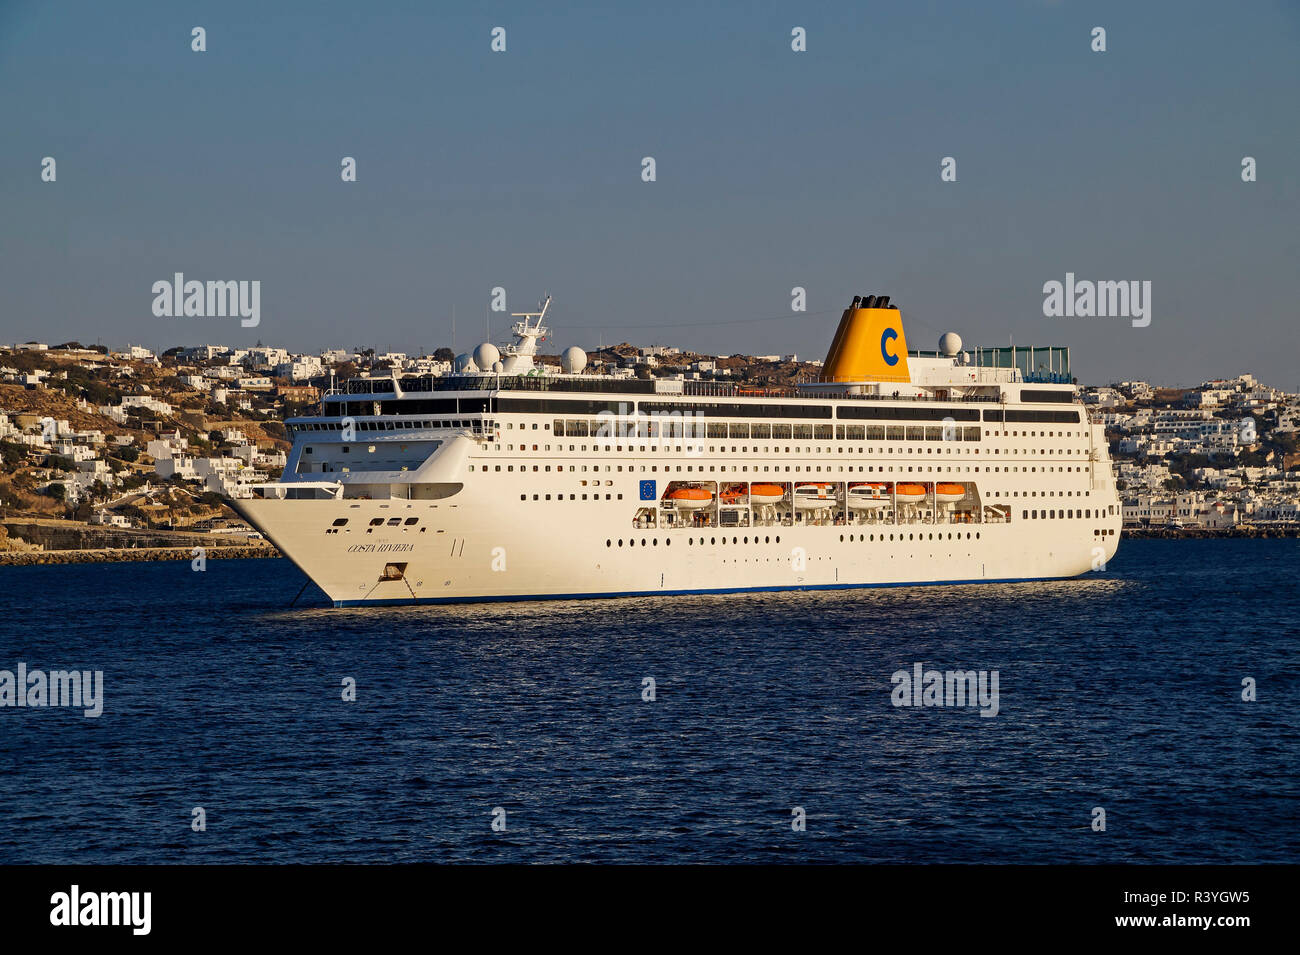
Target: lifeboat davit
<point>766,493</point>
<point>868,496</point>
<point>734,494</point>
<point>814,496</point>
<point>949,493</point>
<point>691,498</point>
<point>910,493</point>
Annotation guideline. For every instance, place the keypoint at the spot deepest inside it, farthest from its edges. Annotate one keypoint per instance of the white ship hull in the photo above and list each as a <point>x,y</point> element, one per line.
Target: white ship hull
<point>484,549</point>
<point>474,487</point>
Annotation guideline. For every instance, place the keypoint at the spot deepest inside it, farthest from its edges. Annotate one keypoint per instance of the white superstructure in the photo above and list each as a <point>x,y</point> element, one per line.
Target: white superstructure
<point>895,468</point>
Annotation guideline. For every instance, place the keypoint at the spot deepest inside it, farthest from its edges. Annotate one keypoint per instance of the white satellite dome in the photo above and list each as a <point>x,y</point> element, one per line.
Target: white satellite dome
<point>464,363</point>
<point>486,355</point>
<point>950,343</point>
<point>573,360</point>
<point>498,367</point>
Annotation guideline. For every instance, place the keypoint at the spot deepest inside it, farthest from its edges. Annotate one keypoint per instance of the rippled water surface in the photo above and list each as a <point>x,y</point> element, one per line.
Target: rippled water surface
<point>1120,690</point>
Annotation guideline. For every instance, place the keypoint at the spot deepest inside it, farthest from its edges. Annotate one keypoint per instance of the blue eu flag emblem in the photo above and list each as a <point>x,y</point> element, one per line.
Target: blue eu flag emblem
<point>648,490</point>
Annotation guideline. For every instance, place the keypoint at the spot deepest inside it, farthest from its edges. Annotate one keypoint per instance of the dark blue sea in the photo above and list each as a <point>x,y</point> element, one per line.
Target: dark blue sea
<point>1120,690</point>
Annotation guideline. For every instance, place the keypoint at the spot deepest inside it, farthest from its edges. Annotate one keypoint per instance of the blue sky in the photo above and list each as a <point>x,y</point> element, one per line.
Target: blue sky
<point>775,169</point>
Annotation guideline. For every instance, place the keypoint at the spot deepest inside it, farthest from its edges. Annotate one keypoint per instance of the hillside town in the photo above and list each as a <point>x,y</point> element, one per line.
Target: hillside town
<point>95,441</point>
<point>1218,456</point>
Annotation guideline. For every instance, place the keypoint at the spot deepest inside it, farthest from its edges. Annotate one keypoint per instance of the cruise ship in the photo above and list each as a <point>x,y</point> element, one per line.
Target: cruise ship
<point>506,480</point>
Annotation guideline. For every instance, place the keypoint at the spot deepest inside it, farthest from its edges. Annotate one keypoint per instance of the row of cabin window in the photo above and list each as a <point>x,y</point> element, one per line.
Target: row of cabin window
<point>394,425</point>
<point>870,469</point>
<point>346,449</point>
<point>1067,514</point>
<point>674,428</point>
<point>714,449</point>
<point>713,541</point>
<point>576,428</point>
<point>572,497</point>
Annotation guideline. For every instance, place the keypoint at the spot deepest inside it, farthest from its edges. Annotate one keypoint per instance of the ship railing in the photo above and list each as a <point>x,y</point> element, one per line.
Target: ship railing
<point>949,399</point>
<point>383,387</point>
<point>1047,378</point>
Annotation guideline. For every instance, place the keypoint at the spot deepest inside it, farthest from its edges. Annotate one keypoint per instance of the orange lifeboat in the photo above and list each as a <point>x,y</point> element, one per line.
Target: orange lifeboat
<point>949,493</point>
<point>766,493</point>
<point>910,493</point>
<point>690,498</point>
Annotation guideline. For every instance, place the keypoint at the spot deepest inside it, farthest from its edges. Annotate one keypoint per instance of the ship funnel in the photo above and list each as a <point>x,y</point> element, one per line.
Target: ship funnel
<point>869,344</point>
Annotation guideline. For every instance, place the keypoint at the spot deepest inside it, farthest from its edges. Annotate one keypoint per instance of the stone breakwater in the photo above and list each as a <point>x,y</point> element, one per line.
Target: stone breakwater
<point>115,554</point>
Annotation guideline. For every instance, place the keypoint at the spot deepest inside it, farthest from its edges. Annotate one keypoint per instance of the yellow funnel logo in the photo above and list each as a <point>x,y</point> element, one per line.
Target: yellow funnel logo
<point>869,345</point>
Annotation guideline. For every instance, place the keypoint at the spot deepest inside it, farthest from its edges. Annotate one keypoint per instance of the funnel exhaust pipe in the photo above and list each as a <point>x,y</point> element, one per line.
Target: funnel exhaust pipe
<point>871,301</point>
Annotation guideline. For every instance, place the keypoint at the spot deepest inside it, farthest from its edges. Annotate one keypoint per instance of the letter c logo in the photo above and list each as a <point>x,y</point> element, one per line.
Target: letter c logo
<point>886,337</point>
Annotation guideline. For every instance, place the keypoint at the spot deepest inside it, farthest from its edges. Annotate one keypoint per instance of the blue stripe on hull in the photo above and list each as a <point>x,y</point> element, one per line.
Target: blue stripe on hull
<point>397,601</point>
